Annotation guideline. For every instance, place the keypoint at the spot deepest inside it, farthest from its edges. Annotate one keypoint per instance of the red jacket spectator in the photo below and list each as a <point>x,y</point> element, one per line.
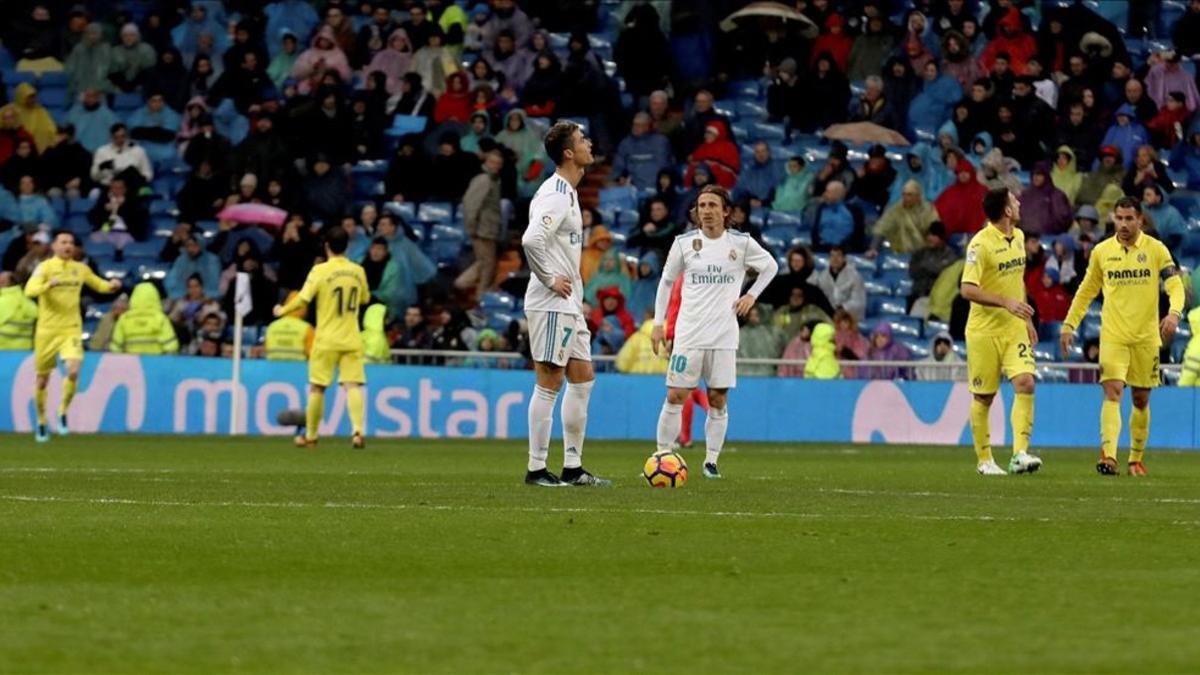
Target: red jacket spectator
<point>719,154</point>
<point>834,41</point>
<point>616,307</point>
<point>1012,39</point>
<point>1051,299</point>
<point>455,104</point>
<point>960,206</point>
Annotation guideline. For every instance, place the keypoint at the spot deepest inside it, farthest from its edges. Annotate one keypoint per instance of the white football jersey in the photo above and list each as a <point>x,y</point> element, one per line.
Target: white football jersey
<point>553,244</point>
<point>714,271</point>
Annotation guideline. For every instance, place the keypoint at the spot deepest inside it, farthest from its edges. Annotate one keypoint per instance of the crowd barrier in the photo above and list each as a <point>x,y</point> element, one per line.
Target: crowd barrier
<point>189,395</point>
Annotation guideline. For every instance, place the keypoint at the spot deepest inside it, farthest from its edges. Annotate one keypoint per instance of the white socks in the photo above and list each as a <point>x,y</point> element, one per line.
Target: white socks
<point>574,420</point>
<point>541,418</point>
<point>668,425</point>
<point>714,433</point>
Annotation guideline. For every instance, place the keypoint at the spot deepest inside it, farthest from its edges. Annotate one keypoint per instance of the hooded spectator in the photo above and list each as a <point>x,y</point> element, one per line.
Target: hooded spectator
<point>1050,298</point>
<point>870,49</point>
<point>642,155</point>
<point>1167,76</point>
<point>933,105</point>
<point>89,63</point>
<point>195,261</point>
<point>394,61</point>
<point>905,223</point>
<point>642,52</point>
<point>409,172</point>
<point>190,35</point>
<point>1169,225</point>
<point>827,95</point>
<point>542,89</point>
<point>719,154</point>
<point>1126,133</point>
<point>645,285</point>
<point>873,183</point>
<point>130,59</point>
<point>612,273</point>
<point>92,119</point>
<point>323,55</point>
<point>374,338</point>
<point>599,242</point>
<point>900,87</point>
<point>168,77</point>
<point>960,206</point>
<point>454,105</point>
<point>1011,39</point>
<point>68,164</point>
<point>793,192</point>
<point>1087,225</point>
<point>284,59</point>
<point>759,339</point>
<point>1063,260</point>
<point>33,208</point>
<point>1064,174</point>
<point>433,62</point>
<point>18,315</point>
<point>33,116</point>
<point>1108,172</point>
<point>529,149</point>
<point>326,191</point>
<point>1044,208</point>
<point>922,165</point>
<point>610,303</point>
<point>957,60</point>
<point>885,348</point>
<point>835,42</point>
<point>636,355</point>
<point>155,126</point>
<point>145,328</point>
<point>941,351</point>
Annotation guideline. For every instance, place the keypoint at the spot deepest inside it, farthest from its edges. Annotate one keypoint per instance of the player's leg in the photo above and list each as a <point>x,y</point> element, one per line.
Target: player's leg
<point>983,377</point>
<point>353,376</point>
<point>547,345</point>
<point>321,364</point>
<point>684,369</point>
<point>1021,419</point>
<point>715,427</point>
<point>1142,378</point>
<point>1115,360</point>
<point>69,386</point>
<point>45,359</point>
<point>580,379</point>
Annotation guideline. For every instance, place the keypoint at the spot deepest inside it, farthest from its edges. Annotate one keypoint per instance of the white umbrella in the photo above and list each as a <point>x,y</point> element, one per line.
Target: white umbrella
<point>776,10</point>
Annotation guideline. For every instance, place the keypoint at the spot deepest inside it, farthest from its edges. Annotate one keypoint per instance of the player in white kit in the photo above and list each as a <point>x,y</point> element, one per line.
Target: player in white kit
<point>560,342</point>
<point>713,261</point>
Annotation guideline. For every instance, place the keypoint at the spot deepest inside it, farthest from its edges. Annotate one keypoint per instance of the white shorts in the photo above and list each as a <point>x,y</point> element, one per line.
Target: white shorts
<point>556,337</point>
<point>717,367</point>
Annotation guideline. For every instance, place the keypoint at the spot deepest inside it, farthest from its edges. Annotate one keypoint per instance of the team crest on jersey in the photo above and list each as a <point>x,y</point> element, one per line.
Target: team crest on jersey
<point>697,245</point>
<point>732,255</point>
<point>1141,257</point>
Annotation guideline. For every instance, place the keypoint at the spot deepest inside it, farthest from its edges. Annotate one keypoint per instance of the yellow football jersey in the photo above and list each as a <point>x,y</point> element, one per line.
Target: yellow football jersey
<point>1130,277</point>
<point>339,287</point>
<point>996,263</point>
<point>58,306</point>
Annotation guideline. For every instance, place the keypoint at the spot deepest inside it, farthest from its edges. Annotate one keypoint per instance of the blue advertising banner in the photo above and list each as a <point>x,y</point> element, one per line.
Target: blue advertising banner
<point>188,395</point>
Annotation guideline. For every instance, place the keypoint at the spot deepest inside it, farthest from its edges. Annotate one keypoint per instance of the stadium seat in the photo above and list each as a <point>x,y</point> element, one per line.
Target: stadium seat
<point>784,219</point>
<point>498,300</point>
<point>766,131</point>
<point>749,90</point>
<point>621,196</point>
<point>879,305</point>
<point>499,321</point>
<point>918,348</point>
<point>404,210</point>
<point>152,271</point>
<point>774,244</point>
<point>758,216</point>
<point>80,204</point>
<point>51,79</point>
<point>445,244</point>
<point>1050,330</point>
<point>751,110</point>
<point>1046,351</point>
<point>1089,329</point>
<point>142,249</point>
<point>864,265</point>
<point>1057,375</point>
<point>801,238</point>
<point>436,212</point>
<point>163,207</point>
<point>904,325</point>
<point>78,223</point>
<point>1190,246</point>
<point>894,261</point>
<point>903,286</point>
<point>54,98</point>
<point>60,207</point>
<point>933,327</point>
<point>875,287</point>
<point>124,103</point>
<point>727,108</point>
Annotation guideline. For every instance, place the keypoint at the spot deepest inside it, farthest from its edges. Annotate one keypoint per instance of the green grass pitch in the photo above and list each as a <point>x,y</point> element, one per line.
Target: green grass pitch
<point>134,554</point>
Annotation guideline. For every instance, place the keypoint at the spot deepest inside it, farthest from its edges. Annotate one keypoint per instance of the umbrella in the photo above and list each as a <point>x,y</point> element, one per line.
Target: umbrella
<point>864,133</point>
<point>776,10</point>
<point>253,214</point>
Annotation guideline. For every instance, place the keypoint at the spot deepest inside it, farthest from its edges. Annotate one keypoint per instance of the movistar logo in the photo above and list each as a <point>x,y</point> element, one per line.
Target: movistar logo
<point>1117,275</point>
<point>713,274</point>
<point>1012,264</point>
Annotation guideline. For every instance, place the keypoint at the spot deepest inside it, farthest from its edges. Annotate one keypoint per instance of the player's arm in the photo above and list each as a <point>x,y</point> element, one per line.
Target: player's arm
<point>305,296</point>
<point>762,262</point>
<point>1089,288</point>
<point>545,217</point>
<point>662,299</point>
<point>38,282</point>
<point>98,283</point>
<point>1173,285</point>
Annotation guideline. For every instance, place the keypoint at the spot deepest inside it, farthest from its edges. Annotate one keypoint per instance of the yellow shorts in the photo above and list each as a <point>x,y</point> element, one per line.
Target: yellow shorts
<point>48,347</point>
<point>988,355</point>
<point>1135,365</point>
<point>348,363</point>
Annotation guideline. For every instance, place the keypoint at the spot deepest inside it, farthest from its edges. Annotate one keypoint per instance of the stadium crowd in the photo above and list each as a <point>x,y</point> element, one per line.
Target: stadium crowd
<point>857,139</point>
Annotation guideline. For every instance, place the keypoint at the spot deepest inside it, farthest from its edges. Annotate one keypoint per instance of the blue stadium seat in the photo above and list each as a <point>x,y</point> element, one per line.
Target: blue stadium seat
<point>498,300</point>
<point>152,270</point>
<point>875,288</point>
<point>894,277</point>
<point>142,249</point>
<point>903,286</point>
<point>367,178</point>
<point>1045,351</point>
<point>758,216</point>
<point>1188,203</point>
<point>127,102</point>
<point>1089,329</point>
<point>751,110</point>
<point>162,207</point>
<point>766,131</point>
<point>621,196</point>
<point>881,305</point>
<point>933,327</point>
<point>801,238</point>
<point>784,219</point>
<point>60,207</point>
<point>864,265</point>
<point>445,244</point>
<point>162,222</point>
<point>80,204</point>
<point>78,223</point>
<point>917,347</point>
<point>54,98</point>
<point>894,261</point>
<point>52,79</point>
<point>499,321</point>
<point>436,212</point>
<point>98,249</point>
<point>1050,330</point>
<point>1057,375</point>
<point>405,210</point>
<point>746,90</point>
<point>904,325</point>
<point>774,244</point>
<point>727,108</point>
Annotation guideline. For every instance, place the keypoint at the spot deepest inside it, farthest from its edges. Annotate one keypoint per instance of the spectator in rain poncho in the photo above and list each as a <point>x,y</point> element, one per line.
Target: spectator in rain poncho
<point>144,328</point>
<point>1169,225</point>
<point>798,349</point>
<point>610,305</point>
<point>1126,134</point>
<point>393,61</point>
<point>374,338</point>
<point>822,361</point>
<point>1168,76</point>
<point>759,339</point>
<point>415,267</point>
<point>33,208</point>
<point>92,120</point>
<point>187,36</point>
<point>885,348</point>
<point>941,350</point>
<point>531,153</point>
<point>981,146</point>
<point>280,70</point>
<point>1065,175</point>
<point>295,16</point>
<point>611,273</point>
<point>383,278</point>
<point>1044,208</point>
<point>131,58</point>
<point>1108,173</point>
<point>645,286</point>
<point>230,123</point>
<point>322,56</point>
<point>905,223</point>
<point>194,260</point>
<point>33,116</point>
<point>996,171</point>
<point>930,108</point>
<point>921,164</point>
<point>89,63</point>
<point>960,206</point>
<point>793,193</point>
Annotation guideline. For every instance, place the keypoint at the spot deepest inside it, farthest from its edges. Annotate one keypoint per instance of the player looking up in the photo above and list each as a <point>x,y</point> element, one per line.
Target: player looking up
<point>713,261</point>
<point>559,339</point>
<point>1000,332</point>
<point>1129,268</point>
<point>56,284</point>
<point>339,286</point>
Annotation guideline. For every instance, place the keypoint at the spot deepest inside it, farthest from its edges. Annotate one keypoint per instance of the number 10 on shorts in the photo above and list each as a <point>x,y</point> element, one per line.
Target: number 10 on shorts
<point>678,363</point>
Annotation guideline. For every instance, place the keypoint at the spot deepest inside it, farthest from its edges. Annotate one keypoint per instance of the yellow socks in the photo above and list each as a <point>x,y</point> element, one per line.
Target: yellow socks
<point>1022,422</point>
<point>980,433</point>
<point>313,413</point>
<point>68,393</point>
<point>1139,433</point>
<point>1110,427</point>
<point>354,405</point>
<point>39,404</point>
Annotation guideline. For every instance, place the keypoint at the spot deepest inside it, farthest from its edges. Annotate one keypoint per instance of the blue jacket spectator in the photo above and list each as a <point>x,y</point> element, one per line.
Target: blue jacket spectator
<point>923,165</point>
<point>930,108</point>
<point>297,16</point>
<point>1186,155</point>
<point>194,260</point>
<point>92,120</point>
<point>35,209</point>
<point>1169,225</point>
<point>645,285</point>
<point>154,127</point>
<point>642,154</point>
<point>1126,133</point>
<point>229,123</point>
<point>834,222</point>
<point>186,35</point>
<point>759,179</point>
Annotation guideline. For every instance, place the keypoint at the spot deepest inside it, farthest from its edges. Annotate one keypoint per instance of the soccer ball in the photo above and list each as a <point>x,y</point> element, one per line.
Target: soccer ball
<point>665,470</point>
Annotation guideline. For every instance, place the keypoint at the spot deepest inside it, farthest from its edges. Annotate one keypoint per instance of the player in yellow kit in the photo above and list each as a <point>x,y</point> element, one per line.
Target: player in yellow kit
<point>1129,268</point>
<point>339,287</point>
<point>57,284</point>
<point>1000,332</point>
